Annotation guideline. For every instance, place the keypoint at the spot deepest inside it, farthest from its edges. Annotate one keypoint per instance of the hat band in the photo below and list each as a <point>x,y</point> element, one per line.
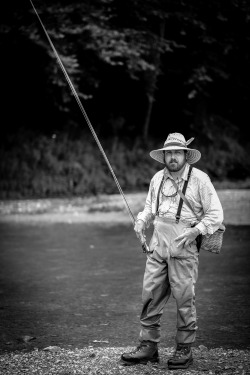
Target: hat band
<point>175,144</point>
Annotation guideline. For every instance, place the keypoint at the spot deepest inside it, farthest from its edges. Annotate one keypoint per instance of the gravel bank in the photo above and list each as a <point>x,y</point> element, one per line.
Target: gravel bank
<point>100,361</point>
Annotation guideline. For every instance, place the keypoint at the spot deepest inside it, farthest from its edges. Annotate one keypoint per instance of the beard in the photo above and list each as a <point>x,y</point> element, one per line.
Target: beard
<point>174,166</point>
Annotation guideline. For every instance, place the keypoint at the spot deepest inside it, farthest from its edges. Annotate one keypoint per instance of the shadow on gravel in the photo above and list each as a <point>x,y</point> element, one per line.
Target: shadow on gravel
<point>79,285</point>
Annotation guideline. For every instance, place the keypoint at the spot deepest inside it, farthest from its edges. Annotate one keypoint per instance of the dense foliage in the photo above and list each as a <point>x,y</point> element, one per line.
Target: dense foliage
<point>142,68</point>
<point>59,166</point>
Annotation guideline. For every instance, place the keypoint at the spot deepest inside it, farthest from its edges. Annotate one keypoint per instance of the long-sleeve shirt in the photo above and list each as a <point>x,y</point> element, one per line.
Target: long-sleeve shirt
<point>200,193</point>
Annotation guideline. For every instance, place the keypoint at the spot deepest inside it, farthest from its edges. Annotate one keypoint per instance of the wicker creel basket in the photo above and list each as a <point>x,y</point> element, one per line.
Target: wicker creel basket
<point>213,242</point>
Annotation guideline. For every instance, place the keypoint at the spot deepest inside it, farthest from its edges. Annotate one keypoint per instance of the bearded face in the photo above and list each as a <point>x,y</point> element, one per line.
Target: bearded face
<point>175,160</point>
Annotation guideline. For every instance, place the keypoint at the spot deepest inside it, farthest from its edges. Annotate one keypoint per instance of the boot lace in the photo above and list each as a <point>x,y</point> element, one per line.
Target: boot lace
<point>140,347</point>
<point>181,351</point>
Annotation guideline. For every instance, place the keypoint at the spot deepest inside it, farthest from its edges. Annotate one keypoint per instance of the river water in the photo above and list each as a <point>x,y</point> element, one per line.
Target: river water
<point>79,284</point>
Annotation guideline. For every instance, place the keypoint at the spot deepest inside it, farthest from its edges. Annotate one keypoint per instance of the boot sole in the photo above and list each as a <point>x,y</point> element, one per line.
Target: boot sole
<point>176,367</point>
<point>141,362</point>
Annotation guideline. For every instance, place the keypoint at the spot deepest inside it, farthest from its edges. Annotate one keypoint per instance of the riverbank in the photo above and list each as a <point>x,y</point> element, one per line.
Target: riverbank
<point>109,208</point>
<point>105,361</point>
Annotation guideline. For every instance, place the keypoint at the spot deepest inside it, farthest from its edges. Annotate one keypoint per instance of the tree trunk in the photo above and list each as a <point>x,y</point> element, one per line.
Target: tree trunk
<point>148,117</point>
<point>151,85</point>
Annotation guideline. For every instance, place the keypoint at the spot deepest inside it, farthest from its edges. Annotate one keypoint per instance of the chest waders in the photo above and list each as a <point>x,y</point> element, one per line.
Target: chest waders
<point>170,270</point>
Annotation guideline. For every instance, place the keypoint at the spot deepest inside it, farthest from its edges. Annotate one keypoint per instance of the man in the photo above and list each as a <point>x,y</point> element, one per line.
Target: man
<point>172,265</point>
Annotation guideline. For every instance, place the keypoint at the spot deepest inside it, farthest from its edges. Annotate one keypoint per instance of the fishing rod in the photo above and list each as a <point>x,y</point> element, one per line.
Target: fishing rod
<point>142,239</point>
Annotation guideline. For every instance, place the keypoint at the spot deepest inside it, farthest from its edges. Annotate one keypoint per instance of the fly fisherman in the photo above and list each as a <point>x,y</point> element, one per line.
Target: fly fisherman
<point>172,266</point>
<point>173,263</point>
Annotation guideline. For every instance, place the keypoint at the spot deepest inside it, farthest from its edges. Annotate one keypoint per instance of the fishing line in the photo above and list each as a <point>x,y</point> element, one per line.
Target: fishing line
<point>143,242</point>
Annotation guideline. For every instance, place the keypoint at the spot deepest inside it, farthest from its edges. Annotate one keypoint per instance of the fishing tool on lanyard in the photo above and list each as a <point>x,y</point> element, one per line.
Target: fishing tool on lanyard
<point>144,245</point>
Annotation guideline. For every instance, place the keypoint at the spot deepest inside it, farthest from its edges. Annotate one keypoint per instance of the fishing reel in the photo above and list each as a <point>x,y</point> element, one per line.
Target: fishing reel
<point>145,247</point>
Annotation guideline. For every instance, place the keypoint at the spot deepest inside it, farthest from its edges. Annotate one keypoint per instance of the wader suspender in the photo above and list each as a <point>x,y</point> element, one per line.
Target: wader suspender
<point>178,215</point>
<point>182,197</point>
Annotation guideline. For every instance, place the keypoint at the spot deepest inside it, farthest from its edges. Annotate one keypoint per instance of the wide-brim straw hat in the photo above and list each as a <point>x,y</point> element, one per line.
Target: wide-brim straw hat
<point>176,141</point>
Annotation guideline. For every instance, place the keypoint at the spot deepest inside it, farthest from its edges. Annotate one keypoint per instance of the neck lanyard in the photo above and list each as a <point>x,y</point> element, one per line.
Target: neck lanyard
<point>178,214</point>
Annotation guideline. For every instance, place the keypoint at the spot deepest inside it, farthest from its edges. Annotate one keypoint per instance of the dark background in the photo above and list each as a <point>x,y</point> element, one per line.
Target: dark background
<point>142,69</point>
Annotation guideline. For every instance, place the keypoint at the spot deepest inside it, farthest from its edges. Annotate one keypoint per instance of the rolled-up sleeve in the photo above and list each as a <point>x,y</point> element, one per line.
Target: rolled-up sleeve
<point>212,209</point>
<point>146,215</point>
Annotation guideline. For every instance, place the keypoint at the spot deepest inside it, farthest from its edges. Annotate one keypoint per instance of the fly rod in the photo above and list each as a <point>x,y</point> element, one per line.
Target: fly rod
<point>144,245</point>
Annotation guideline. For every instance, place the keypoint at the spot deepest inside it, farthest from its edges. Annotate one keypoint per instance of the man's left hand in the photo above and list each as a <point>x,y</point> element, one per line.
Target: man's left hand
<point>188,237</point>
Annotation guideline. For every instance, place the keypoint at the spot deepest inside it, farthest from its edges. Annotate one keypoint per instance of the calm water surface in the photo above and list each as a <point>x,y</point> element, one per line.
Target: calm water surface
<point>74,285</point>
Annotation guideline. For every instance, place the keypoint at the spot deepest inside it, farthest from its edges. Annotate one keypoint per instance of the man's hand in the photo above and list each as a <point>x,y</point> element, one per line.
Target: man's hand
<point>188,237</point>
<point>139,230</point>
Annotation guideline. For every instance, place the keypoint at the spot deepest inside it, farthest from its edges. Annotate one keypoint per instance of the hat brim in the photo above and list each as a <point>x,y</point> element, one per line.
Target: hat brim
<point>192,155</point>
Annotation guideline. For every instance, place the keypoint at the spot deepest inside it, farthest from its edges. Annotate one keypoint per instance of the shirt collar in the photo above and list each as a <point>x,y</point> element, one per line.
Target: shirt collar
<point>183,176</point>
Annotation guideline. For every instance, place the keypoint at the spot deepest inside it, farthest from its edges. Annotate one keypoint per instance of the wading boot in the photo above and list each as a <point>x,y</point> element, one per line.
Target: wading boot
<point>182,357</point>
<point>146,352</point>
